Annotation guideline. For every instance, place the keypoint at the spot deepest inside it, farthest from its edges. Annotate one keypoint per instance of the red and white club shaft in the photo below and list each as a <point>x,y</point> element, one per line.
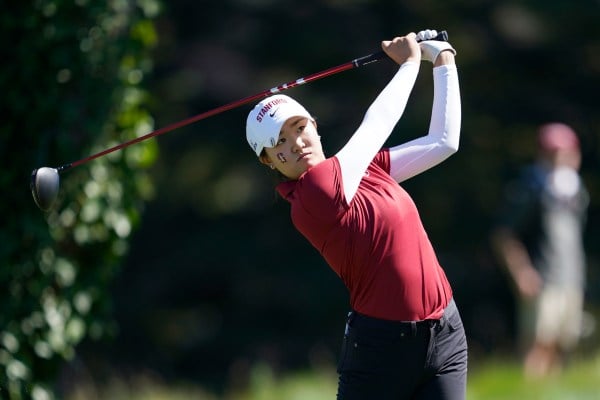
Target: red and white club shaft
<point>356,63</point>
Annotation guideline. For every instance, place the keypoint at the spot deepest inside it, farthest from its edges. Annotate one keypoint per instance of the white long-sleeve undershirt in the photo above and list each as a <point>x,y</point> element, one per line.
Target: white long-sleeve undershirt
<point>413,157</point>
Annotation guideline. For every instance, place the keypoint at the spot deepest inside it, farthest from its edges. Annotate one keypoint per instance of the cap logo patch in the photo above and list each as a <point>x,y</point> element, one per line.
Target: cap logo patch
<point>267,107</point>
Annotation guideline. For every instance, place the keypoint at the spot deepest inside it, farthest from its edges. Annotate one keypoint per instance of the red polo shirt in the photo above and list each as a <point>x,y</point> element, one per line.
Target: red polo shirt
<point>376,244</point>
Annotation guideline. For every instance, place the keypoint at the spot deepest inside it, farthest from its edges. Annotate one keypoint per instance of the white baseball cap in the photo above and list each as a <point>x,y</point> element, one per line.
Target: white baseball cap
<point>267,117</point>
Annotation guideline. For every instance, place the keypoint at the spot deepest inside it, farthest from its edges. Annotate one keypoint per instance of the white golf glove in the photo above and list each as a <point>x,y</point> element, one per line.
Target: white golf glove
<point>430,49</point>
<point>426,34</point>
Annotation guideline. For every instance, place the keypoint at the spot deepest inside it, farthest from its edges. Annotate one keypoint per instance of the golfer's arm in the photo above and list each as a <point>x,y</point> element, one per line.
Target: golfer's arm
<point>442,140</point>
<point>377,125</point>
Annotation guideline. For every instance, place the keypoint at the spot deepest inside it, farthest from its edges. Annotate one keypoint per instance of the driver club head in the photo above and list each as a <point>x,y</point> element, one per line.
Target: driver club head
<point>44,187</point>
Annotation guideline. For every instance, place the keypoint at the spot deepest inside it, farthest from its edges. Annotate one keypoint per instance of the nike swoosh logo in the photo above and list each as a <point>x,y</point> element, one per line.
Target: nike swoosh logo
<point>272,114</point>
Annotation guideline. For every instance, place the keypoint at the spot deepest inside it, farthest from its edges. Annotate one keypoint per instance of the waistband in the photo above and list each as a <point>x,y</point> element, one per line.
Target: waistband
<point>402,328</point>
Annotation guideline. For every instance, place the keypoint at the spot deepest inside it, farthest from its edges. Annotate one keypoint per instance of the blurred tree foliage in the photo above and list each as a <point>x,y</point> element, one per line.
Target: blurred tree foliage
<point>71,78</point>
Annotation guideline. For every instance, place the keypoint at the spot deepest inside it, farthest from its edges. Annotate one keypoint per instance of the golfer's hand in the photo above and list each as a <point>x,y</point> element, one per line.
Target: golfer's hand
<point>402,48</point>
<point>436,51</point>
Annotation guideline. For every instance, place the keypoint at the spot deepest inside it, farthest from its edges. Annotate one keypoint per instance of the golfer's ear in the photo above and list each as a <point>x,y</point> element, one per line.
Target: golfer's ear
<point>264,158</point>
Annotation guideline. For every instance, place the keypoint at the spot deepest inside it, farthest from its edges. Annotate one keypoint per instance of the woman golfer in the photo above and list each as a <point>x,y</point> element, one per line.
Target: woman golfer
<point>404,338</point>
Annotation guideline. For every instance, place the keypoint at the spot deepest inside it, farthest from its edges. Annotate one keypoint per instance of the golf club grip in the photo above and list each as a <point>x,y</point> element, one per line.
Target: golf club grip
<point>380,55</point>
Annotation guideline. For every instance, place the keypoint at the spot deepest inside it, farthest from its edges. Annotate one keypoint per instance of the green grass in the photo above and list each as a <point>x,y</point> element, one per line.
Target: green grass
<point>498,380</point>
<point>313,385</point>
<point>489,379</point>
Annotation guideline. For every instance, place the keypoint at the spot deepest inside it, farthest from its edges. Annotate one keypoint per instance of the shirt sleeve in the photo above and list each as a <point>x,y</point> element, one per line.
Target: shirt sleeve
<point>377,125</point>
<point>413,157</point>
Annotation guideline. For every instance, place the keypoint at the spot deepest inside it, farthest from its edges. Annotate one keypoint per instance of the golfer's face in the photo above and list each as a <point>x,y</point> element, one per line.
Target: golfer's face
<point>298,149</point>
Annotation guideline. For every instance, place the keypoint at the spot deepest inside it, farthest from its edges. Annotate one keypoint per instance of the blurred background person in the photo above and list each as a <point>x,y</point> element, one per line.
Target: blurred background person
<point>539,239</point>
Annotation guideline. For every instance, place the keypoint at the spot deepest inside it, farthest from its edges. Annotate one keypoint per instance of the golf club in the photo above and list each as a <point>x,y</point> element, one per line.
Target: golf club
<point>45,181</point>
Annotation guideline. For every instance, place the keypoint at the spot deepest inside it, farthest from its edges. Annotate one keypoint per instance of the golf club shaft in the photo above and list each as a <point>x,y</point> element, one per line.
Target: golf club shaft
<point>356,63</point>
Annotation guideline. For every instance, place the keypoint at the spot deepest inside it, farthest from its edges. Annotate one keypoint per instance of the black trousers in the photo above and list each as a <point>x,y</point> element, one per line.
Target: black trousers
<point>403,360</point>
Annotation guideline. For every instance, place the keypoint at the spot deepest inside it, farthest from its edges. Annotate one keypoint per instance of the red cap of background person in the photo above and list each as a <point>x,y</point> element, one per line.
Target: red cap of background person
<point>557,136</point>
